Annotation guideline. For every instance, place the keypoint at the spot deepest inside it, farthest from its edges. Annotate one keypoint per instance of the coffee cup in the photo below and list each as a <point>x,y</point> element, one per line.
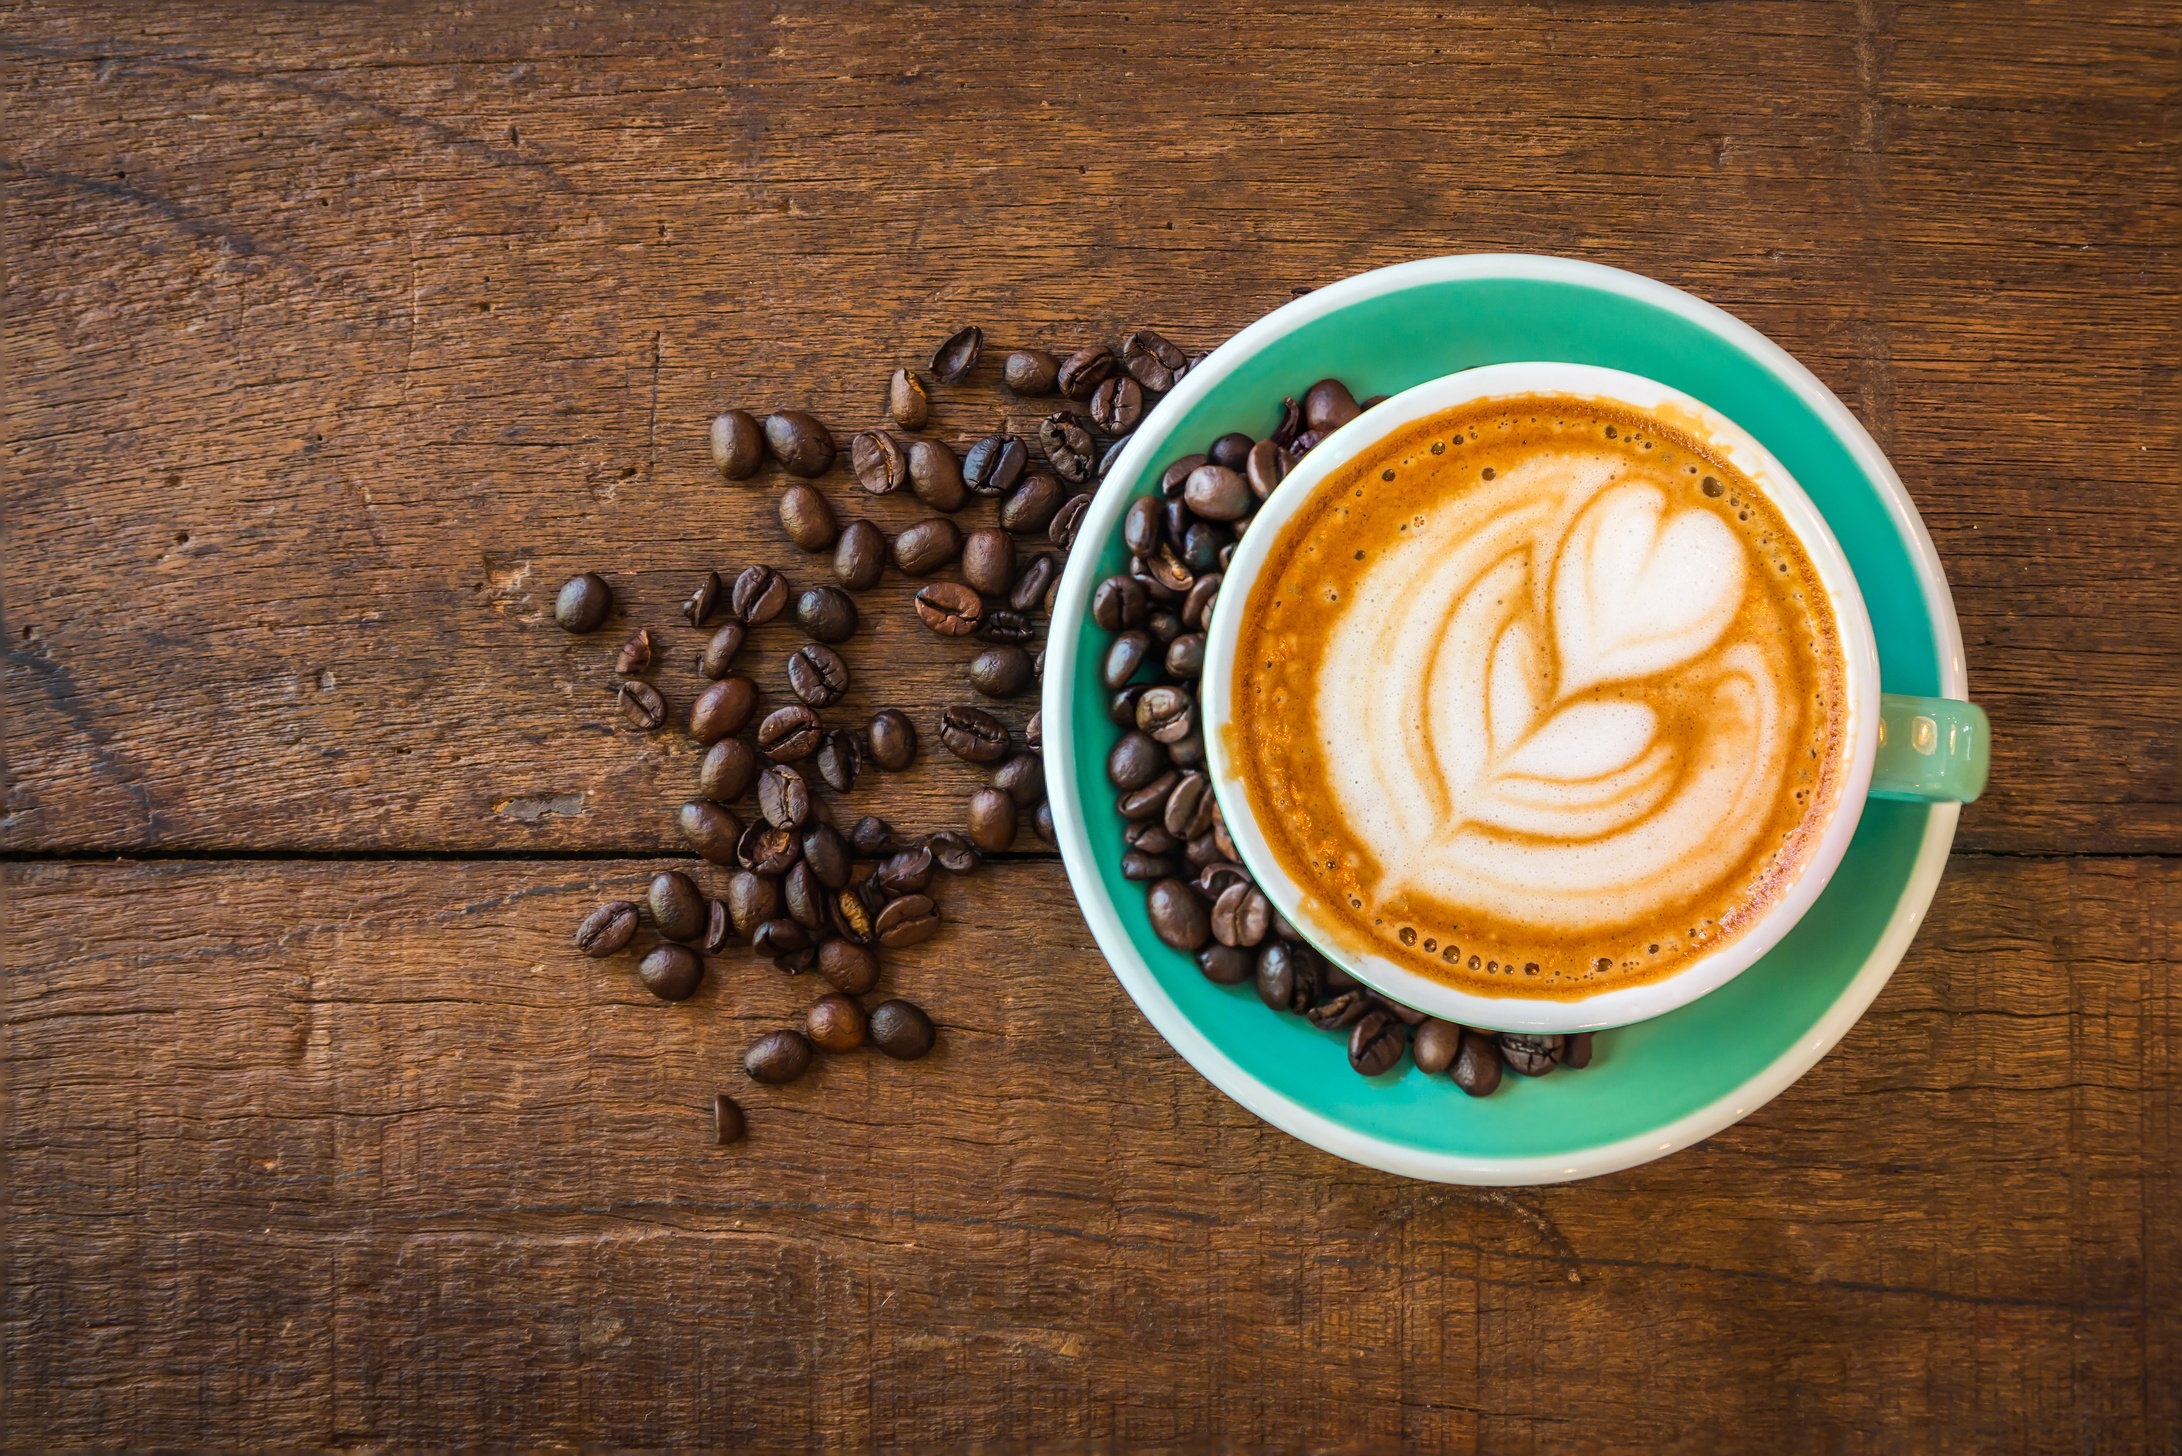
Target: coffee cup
<point>1884,745</point>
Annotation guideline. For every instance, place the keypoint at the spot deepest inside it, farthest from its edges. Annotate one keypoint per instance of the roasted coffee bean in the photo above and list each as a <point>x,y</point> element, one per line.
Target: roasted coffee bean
<point>1041,822</point>
<point>859,557</point>
<point>1085,370</point>
<point>738,444</point>
<point>1137,865</point>
<point>1218,493</point>
<point>1121,707</point>
<point>1220,838</point>
<point>836,1024</point>
<point>1000,672</point>
<point>719,929</point>
<point>607,929</point>
<point>1304,445</point>
<point>949,608</point>
<point>1202,850</point>
<point>994,464</point>
<point>957,354</point>
<point>1575,1053</point>
<point>1376,1044</point>
<point>1196,610</point>
<point>640,705</point>
<point>1186,656</point>
<point>1034,732</point>
<point>1151,837</point>
<point>1231,450</point>
<point>871,836</point>
<point>908,921</point>
<point>1119,602</point>
<point>728,1123</point>
<point>880,463</point>
<point>1176,476</point>
<point>1165,577</point>
<point>1034,581</point>
<point>727,768</point>
<point>848,967</point>
<point>1142,528</point>
<point>1126,657</point>
<point>1435,1046</point>
<point>817,675</point>
<point>1067,521</point>
<point>1328,405</point>
<point>1343,1008</point>
<point>1030,506</point>
<point>1005,624</point>
<point>827,853</point>
<point>1167,713</point>
<point>991,820</point>
<point>1150,801</point>
<point>927,545</point>
<point>852,916</point>
<point>1217,875</point>
<point>583,602</point>
<point>1030,371</point>
<point>780,936</point>
<point>935,474</point>
<point>719,654</point>
<point>1227,555</point>
<point>783,797</point>
<point>677,905</point>
<point>1224,965</point>
<point>709,829</point>
<point>751,900</point>
<point>892,739</point>
<point>1023,779</point>
<point>1267,464</point>
<point>974,735</point>
<point>807,518</point>
<point>799,442</point>
<point>901,1030</point>
<point>908,402</point>
<point>789,733</point>
<point>1291,424</point>
<point>1188,810</point>
<point>988,560</point>
<point>1175,520</point>
<point>908,872</point>
<point>722,709</point>
<point>760,593</point>
<point>671,972</point>
<point>1285,980</point>
<point>635,654</point>
<point>808,902</point>
<point>1165,626</point>
<point>826,613</point>
<point>1332,980</point>
<point>1202,543</point>
<point>838,760</point>
<point>1178,916</point>
<point>953,850</point>
<point>1135,760</point>
<point>1115,449</point>
<point>1068,446</point>
<point>778,1057</point>
<point>1152,361</point>
<point>1117,405</point>
<point>1532,1056</point>
<point>1477,1066</point>
<point>1241,915</point>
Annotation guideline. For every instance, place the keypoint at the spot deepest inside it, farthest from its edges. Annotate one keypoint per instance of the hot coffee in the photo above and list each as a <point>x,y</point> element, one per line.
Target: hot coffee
<point>1539,696</point>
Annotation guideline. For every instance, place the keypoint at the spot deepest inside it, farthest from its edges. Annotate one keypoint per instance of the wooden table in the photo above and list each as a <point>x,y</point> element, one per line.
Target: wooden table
<point>339,335</point>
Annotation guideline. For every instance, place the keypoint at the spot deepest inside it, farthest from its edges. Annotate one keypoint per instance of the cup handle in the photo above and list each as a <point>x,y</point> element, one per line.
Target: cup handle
<point>1931,750</point>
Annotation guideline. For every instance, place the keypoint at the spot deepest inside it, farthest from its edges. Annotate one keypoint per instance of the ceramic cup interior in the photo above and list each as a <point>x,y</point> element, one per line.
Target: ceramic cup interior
<point>1616,1006</point>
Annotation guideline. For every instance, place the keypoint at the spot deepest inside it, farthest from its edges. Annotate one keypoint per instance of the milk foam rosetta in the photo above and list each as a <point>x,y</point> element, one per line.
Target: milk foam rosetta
<point>1553,695</point>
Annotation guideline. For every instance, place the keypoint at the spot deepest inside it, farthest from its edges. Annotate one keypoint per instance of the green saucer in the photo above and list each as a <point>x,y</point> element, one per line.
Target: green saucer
<point>1652,1087</point>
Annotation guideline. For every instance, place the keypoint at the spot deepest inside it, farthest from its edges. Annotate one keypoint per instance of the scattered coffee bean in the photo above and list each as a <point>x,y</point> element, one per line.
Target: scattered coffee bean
<point>1231,451</point>
<point>1377,1043</point>
<point>1165,625</point>
<point>1188,810</point>
<point>826,613</point>
<point>911,920</point>
<point>809,903</point>
<point>906,872</point>
<point>1152,361</point>
<point>1030,506</point>
<point>1186,656</point>
<point>719,929</point>
<point>1128,654</point>
<point>852,915</point>
<point>1034,732</point>
<point>1476,1069</point>
<point>1068,447</point>
<point>726,770</point>
<point>1034,581</point>
<point>1176,476</point>
<point>1137,865</point>
<point>1285,978</point>
<point>640,705</point>
<point>1218,493</point>
<point>1202,544</point>
<point>1135,760</point>
<point>760,593</point>
<point>859,557</point>
<point>953,850</point>
<point>974,735</point>
<point>807,518</point>
<point>1532,1056</point>
<point>957,354</point>
<point>607,929</point>
<point>1224,965</point>
<point>1041,821</point>
<point>908,403</point>
<point>1118,405</point>
<point>1266,465</point>
<point>719,654</point>
<point>1575,1052</point>
<point>1061,530</point>
<point>1152,838</point>
<point>738,444</point>
<point>892,739</point>
<point>949,608</point>
<point>1435,1045</point>
<point>1005,624</point>
<point>1000,672</point>
<point>710,829</point>
<point>1142,525</point>
<point>799,442</point>
<point>1085,370</point>
<point>1150,801</point>
<point>783,797</point>
<point>1241,916</point>
<point>988,560</point>
<point>827,853</point>
<point>848,967</point>
<point>1197,605</point>
<point>991,820</point>
<point>878,461</point>
<point>781,936</point>
<point>789,733</point>
<point>1167,713</point>
<point>671,972</point>
<point>722,709</point>
<point>1178,916</point>
<point>1342,1009</point>
<point>994,464</point>
<point>817,675</point>
<point>1119,602</point>
<point>1122,706</point>
<point>777,1057</point>
<point>838,760</point>
<point>871,836</point>
<point>677,905</point>
<point>583,603</point>
<point>728,1123</point>
<point>901,1030</point>
<point>752,899</point>
<point>766,850</point>
<point>836,1023</point>
<point>635,654</point>
<point>1328,405</point>
<point>1030,371</point>
<point>926,546</point>
<point>935,475</point>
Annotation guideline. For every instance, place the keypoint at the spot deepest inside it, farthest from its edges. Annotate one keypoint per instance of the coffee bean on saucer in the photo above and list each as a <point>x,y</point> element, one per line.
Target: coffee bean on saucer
<point>725,772</point>
<point>1165,625</point>
<point>1178,916</point>
<point>728,1122</point>
<point>1143,525</point>
<point>677,905</point>
<point>957,354</point>
<point>722,709</point>
<point>1202,544</point>
<point>1067,521</point>
<point>817,675</point>
<point>953,850</point>
<point>799,442</point>
<point>1196,610</point>
<point>710,829</point>
<point>671,972</point>
<point>1030,506</point>
<point>1023,779</point>
<point>607,929</point>
<point>1188,810</point>
<point>1150,801</point>
<point>1340,1009</point>
<point>1034,582</point>
<point>880,464</point>
<point>1119,602</point>
<point>1126,656</point>
<point>901,1030</point>
<point>1575,1052</point>
<point>910,920</point>
<point>1264,468</point>
<point>1142,867</point>
<point>908,402</point>
<point>1186,656</point>
<point>1030,371</point>
<point>738,444</point>
<point>1231,450</point>
<point>859,557</point>
<point>836,1023</point>
<point>826,613</point>
<point>1167,713</point>
<point>1218,493</point>
<point>1135,760</point>
<point>992,821</point>
<point>759,595</point>
<point>1224,965</point>
<point>789,733</point>
<point>1476,1067</point>
<point>640,705</point>
<point>635,655</point>
<point>583,602</point>
<point>935,475</point>
<point>1328,405</point>
<point>1085,370</point>
<point>778,1057</point>
<point>1000,672</point>
<point>927,545</point>
<point>1118,404</point>
<point>848,967</point>
<point>974,735</point>
<point>949,608</point>
<point>1530,1055</point>
<point>1176,476</point>
<point>807,518</point>
<point>892,739</point>
<point>994,464</point>
<point>838,760</point>
<point>1286,980</point>
<point>1376,1043</point>
<point>718,658</point>
<point>1068,446</point>
<point>1152,361</point>
<point>1121,707</point>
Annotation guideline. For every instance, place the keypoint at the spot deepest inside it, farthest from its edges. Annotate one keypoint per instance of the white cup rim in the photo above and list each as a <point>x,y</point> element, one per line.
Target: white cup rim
<point>1622,1005</point>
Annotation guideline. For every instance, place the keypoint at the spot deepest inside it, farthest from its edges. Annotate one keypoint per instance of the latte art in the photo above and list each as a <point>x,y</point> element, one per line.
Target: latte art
<point>1561,689</point>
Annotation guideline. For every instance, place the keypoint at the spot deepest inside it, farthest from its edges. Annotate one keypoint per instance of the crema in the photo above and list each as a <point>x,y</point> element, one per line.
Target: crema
<point>1539,697</point>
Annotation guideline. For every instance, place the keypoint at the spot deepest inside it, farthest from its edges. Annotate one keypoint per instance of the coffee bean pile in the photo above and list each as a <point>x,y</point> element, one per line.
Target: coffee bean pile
<point>1200,899</point>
